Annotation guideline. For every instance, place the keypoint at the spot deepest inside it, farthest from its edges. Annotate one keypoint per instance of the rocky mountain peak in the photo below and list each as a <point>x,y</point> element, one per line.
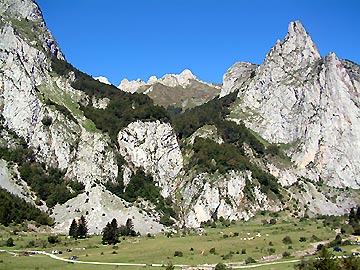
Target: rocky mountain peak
<point>296,51</point>
<point>26,9</point>
<point>103,79</point>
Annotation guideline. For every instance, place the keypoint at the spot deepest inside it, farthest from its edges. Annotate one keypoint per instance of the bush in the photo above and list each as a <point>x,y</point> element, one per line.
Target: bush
<point>243,251</point>
<point>53,239</point>
<point>178,253</point>
<point>302,239</point>
<point>212,251</point>
<point>220,266</point>
<point>287,240</point>
<point>10,242</point>
<point>249,260</point>
<point>286,254</point>
<point>46,121</point>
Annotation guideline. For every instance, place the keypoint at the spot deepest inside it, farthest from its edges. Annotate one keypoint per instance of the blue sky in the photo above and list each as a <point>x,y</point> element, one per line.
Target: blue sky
<point>139,38</point>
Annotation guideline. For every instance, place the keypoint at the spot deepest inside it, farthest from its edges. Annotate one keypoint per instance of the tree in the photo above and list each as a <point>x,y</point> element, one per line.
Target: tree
<point>130,227</point>
<point>10,242</point>
<point>73,229</point>
<point>325,261</point>
<point>53,239</point>
<point>82,229</point>
<point>111,233</point>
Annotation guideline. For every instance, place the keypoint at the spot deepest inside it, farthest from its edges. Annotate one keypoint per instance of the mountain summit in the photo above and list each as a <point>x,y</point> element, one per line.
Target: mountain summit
<point>182,90</point>
<point>310,104</point>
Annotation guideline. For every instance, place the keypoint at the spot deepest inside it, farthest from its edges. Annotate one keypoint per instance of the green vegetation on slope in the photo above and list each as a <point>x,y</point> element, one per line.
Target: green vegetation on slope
<point>16,210</point>
<point>47,182</point>
<point>122,109</point>
<point>210,156</point>
<point>142,185</point>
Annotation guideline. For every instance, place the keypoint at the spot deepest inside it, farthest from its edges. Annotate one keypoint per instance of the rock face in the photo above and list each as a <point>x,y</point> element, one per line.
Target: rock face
<point>182,90</point>
<point>102,79</point>
<point>153,146</point>
<point>309,103</point>
<point>236,76</point>
<point>206,195</point>
<point>70,143</point>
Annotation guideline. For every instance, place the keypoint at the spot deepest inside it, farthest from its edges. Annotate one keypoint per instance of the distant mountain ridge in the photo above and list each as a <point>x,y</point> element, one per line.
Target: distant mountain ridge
<point>182,90</point>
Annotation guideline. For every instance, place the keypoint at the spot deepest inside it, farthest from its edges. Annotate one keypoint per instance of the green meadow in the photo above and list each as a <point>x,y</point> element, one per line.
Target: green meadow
<point>233,244</point>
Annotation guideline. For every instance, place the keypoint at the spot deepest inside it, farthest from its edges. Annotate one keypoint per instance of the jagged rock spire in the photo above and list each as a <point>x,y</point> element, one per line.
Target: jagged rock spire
<point>295,51</point>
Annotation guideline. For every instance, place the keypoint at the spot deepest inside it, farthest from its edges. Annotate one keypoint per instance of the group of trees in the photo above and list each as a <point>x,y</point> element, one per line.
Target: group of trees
<point>111,232</point>
<point>49,183</point>
<point>78,229</point>
<point>123,107</point>
<point>354,220</point>
<point>16,210</point>
<point>326,261</point>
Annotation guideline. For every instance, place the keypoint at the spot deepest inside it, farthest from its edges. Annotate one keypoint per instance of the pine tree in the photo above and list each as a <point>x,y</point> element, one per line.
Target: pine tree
<point>73,228</point>
<point>82,229</point>
<point>358,213</point>
<point>111,233</point>
<point>130,227</point>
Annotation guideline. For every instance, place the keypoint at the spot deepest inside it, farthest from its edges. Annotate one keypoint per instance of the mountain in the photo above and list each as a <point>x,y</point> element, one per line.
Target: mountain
<point>280,136</point>
<point>182,90</point>
<point>308,103</point>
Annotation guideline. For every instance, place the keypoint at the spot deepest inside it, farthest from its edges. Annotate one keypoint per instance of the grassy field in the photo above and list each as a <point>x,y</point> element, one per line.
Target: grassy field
<point>231,244</point>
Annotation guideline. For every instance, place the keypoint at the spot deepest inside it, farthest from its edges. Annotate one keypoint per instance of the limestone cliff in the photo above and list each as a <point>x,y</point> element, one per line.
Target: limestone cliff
<point>310,104</point>
<point>43,108</point>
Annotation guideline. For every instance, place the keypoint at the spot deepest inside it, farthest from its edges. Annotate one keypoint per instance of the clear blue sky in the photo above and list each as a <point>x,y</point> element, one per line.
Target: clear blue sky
<point>139,38</point>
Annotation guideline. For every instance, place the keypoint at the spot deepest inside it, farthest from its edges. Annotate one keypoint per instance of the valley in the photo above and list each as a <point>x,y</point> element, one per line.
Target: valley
<point>239,245</point>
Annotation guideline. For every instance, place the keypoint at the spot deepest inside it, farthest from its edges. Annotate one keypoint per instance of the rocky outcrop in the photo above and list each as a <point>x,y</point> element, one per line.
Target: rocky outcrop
<point>103,80</point>
<point>208,195</point>
<point>307,102</point>
<point>236,77</point>
<point>152,146</point>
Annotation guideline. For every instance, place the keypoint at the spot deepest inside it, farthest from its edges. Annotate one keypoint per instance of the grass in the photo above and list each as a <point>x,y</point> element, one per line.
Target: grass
<point>227,241</point>
<point>58,96</point>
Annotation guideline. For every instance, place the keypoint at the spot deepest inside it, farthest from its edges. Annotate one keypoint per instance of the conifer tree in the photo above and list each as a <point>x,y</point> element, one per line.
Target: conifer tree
<point>82,229</point>
<point>73,229</point>
<point>111,233</point>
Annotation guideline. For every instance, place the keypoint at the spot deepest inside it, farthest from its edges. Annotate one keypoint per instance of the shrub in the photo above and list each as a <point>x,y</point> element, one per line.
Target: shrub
<point>302,239</point>
<point>286,254</point>
<point>178,253</point>
<point>46,121</point>
<point>212,251</point>
<point>243,251</point>
<point>249,260</point>
<point>287,240</point>
<point>53,239</point>
<point>170,266</point>
<point>220,266</point>
<point>10,242</point>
